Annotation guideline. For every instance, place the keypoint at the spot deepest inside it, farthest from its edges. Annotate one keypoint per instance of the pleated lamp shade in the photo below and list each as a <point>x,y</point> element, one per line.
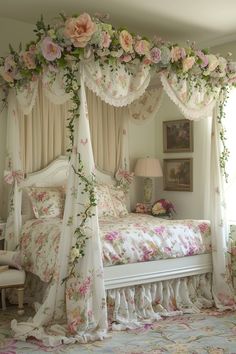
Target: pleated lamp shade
<point>148,167</point>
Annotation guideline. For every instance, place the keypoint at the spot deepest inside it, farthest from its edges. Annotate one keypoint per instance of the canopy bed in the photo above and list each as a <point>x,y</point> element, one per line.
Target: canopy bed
<point>117,67</point>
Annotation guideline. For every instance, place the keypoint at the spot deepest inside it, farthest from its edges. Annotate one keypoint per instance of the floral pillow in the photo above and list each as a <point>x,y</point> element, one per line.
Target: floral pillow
<point>119,200</point>
<point>47,202</point>
<point>104,201</point>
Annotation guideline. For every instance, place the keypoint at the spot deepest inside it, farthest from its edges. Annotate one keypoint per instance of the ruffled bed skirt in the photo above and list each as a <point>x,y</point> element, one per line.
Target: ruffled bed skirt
<point>131,307</point>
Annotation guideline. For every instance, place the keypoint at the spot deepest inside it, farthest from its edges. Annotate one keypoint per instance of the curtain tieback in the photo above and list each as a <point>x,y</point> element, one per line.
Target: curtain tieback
<point>13,176</point>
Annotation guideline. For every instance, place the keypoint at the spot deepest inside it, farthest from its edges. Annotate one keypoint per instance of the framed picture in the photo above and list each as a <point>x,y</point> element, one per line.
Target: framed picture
<point>178,136</point>
<point>178,174</point>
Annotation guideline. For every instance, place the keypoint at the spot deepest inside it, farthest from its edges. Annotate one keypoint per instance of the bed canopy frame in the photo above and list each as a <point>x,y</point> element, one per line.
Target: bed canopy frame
<point>117,66</point>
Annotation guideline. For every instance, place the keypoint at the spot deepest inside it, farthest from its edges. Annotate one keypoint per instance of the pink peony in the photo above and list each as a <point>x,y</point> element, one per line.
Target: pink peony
<point>155,55</point>
<point>188,63</point>
<point>29,60</point>
<point>50,50</point>
<point>177,53</point>
<point>106,40</point>
<point>142,47</point>
<point>80,30</point>
<point>126,41</point>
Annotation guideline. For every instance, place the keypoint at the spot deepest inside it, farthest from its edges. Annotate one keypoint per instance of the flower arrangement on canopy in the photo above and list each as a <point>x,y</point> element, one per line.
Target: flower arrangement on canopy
<point>71,39</point>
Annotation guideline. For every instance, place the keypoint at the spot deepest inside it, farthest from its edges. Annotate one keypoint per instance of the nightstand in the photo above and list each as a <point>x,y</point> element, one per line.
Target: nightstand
<point>2,234</point>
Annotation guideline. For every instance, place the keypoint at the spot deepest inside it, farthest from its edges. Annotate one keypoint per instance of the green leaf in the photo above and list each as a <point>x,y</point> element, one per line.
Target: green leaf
<point>63,16</point>
<point>12,51</point>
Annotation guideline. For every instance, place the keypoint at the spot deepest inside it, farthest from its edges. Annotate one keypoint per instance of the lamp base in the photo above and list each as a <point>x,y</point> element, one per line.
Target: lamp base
<point>147,191</point>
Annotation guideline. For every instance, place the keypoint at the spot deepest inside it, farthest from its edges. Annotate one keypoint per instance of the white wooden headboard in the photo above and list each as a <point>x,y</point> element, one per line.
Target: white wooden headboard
<point>53,175</point>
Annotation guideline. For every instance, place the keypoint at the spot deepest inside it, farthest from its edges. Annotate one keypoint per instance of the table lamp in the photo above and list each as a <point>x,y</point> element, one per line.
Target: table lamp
<point>148,168</point>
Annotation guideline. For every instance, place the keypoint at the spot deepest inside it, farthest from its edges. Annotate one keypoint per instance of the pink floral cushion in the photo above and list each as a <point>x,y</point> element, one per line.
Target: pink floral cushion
<point>47,202</point>
<point>118,200</point>
<point>104,201</point>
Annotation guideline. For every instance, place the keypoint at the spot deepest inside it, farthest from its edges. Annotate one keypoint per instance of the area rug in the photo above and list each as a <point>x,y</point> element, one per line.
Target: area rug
<point>209,332</point>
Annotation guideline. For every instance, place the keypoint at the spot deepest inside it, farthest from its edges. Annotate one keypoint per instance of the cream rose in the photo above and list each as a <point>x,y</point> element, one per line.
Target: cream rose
<point>213,62</point>
<point>177,53</point>
<point>126,41</point>
<point>80,30</point>
<point>188,63</point>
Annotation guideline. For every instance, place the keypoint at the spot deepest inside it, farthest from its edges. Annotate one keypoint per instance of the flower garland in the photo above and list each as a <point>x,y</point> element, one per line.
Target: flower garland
<point>224,155</point>
<point>77,251</point>
<point>72,39</point>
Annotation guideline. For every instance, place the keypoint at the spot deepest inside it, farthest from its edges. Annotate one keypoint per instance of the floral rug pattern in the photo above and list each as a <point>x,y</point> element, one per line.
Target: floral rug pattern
<point>208,332</point>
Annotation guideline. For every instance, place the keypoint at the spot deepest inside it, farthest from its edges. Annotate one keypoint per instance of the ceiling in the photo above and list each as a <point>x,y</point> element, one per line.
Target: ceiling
<point>207,22</point>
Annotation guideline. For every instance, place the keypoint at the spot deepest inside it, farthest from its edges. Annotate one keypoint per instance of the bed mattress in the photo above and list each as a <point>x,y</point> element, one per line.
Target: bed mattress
<point>130,239</point>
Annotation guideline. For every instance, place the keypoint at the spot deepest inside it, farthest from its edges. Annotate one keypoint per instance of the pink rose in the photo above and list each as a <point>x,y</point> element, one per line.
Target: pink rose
<point>147,61</point>
<point>29,60</point>
<point>188,63</point>
<point>142,47</point>
<point>126,58</point>
<point>155,55</point>
<point>126,41</point>
<point>177,53</point>
<point>106,40</point>
<point>80,30</point>
<point>50,50</point>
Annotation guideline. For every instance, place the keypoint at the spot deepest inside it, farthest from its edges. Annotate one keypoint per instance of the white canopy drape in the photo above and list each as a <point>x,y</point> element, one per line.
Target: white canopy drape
<point>85,310</point>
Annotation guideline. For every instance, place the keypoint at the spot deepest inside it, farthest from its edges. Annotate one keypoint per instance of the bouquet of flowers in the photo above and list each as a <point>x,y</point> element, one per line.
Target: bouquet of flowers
<point>163,207</point>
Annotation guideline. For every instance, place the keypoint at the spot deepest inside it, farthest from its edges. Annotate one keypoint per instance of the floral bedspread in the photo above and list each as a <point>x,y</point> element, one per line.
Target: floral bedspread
<point>140,237</point>
<point>132,238</point>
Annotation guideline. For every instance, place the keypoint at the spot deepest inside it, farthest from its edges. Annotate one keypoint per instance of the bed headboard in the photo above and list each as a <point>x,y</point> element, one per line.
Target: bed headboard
<point>53,175</point>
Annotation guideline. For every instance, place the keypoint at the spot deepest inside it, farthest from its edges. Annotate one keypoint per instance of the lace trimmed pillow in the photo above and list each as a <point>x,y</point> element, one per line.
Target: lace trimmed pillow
<point>47,202</point>
<point>118,200</point>
<point>104,201</point>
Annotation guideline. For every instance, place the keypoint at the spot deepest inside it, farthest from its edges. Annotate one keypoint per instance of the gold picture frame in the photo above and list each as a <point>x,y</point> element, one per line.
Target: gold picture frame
<point>178,174</point>
<point>178,136</point>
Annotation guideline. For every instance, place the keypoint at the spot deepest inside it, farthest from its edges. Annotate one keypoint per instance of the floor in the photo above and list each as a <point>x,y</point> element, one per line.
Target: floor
<point>209,332</point>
